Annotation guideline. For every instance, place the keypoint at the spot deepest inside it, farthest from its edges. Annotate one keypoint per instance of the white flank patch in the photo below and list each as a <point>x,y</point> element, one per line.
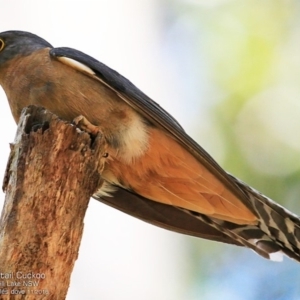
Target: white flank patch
<point>76,65</point>
<point>105,190</point>
<point>135,140</point>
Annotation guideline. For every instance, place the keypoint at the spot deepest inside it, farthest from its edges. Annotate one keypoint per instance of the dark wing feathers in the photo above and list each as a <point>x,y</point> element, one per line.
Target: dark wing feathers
<point>164,216</point>
<point>117,82</point>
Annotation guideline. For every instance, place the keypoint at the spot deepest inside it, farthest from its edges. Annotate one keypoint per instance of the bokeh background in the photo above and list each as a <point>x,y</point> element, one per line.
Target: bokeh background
<point>229,71</point>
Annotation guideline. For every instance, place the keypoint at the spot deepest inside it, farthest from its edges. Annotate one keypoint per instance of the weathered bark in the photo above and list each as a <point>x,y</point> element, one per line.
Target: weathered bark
<point>50,176</point>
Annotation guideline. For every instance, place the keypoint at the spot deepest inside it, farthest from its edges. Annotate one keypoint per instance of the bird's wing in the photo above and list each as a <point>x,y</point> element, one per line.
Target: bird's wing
<point>159,214</point>
<point>148,108</point>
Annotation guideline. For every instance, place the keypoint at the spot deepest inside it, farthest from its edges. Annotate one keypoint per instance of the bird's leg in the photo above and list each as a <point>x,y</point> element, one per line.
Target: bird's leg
<point>84,124</point>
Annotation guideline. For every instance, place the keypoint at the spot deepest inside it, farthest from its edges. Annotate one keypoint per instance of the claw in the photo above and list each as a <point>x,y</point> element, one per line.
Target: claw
<point>84,124</point>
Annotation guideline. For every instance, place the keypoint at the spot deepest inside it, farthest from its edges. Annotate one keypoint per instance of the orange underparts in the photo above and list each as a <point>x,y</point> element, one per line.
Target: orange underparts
<point>169,174</point>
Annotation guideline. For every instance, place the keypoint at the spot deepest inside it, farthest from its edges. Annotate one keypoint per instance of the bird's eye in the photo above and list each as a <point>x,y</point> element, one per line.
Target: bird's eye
<point>1,45</point>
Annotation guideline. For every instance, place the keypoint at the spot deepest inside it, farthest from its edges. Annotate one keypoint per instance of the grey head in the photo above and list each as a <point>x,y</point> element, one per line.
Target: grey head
<point>19,43</point>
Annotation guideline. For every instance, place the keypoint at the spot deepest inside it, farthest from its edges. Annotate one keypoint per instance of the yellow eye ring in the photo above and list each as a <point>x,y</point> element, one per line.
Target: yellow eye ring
<point>2,44</point>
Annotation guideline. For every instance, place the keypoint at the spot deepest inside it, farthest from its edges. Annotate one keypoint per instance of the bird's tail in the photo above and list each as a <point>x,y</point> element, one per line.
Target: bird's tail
<point>277,232</point>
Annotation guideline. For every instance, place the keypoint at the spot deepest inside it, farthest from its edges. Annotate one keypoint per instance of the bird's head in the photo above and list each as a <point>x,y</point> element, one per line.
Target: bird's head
<point>19,43</point>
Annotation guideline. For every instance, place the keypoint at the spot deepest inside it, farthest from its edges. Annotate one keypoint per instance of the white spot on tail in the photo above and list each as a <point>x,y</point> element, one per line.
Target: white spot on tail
<point>276,256</point>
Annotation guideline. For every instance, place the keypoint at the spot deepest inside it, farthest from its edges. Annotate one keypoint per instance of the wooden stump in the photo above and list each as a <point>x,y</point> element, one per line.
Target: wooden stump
<point>53,170</point>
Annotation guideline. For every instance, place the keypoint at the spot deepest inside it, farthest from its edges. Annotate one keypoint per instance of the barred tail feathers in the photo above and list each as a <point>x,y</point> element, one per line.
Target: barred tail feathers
<point>280,225</point>
<point>277,232</point>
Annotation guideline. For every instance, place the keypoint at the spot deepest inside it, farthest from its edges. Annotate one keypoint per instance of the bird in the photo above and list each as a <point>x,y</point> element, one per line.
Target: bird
<point>153,170</point>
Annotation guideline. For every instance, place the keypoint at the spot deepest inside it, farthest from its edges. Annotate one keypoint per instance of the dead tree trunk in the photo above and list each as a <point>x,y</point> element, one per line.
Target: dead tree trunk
<point>53,170</point>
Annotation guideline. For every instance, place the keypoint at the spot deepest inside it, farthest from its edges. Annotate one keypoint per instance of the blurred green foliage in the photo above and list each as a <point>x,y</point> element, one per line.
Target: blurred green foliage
<point>252,57</point>
<point>245,44</point>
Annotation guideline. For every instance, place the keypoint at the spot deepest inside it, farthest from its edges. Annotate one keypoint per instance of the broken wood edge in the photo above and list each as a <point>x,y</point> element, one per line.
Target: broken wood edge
<point>51,174</point>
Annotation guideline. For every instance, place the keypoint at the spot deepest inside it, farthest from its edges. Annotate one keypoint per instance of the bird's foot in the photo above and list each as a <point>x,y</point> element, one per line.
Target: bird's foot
<point>84,124</point>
